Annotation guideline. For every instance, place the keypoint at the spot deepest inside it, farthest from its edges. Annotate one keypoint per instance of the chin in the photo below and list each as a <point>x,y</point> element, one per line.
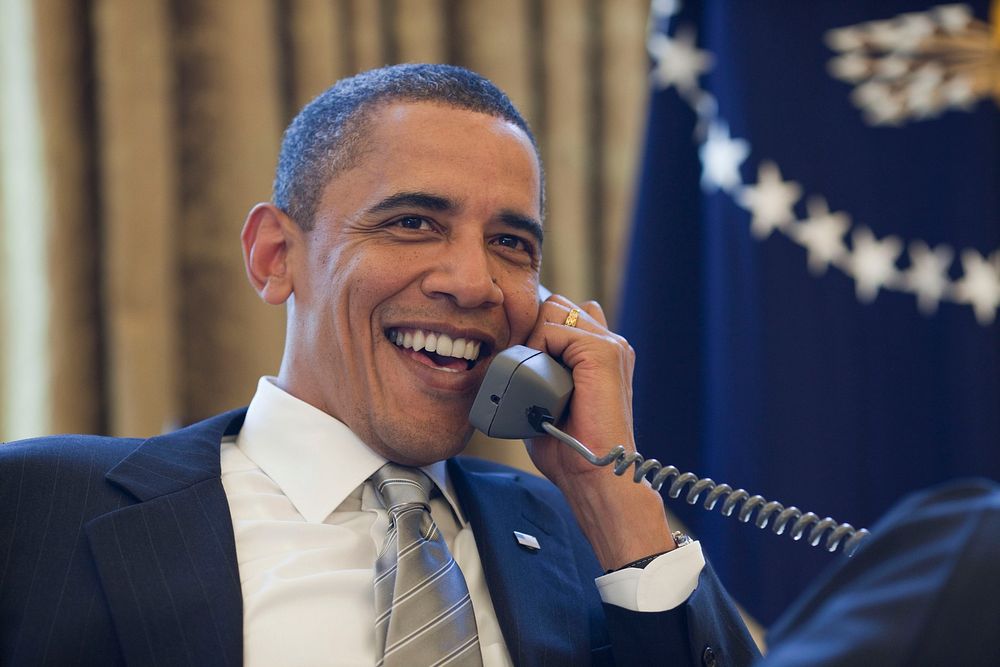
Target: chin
<point>436,442</point>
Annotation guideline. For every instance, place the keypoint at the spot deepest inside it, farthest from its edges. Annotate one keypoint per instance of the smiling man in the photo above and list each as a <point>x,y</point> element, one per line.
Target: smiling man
<point>434,230</point>
<point>404,239</point>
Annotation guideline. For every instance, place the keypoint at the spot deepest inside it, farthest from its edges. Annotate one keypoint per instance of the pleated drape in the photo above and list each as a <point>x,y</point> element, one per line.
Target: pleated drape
<point>139,239</point>
<point>146,129</point>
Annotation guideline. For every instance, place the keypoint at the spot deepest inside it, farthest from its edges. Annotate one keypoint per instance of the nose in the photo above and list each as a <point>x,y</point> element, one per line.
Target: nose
<point>463,274</point>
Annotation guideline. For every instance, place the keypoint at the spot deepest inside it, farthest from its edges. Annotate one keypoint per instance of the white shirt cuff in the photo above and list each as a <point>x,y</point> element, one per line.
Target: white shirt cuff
<point>665,583</point>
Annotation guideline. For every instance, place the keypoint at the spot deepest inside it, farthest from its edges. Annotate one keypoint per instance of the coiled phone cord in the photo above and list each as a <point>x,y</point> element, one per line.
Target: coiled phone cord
<point>837,535</point>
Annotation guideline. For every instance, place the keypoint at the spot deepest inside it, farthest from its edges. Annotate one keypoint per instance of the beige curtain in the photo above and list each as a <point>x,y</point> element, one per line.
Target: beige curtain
<point>136,134</point>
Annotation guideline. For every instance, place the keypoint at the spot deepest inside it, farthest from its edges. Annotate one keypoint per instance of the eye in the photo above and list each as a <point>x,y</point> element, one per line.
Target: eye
<point>414,222</point>
<point>515,243</point>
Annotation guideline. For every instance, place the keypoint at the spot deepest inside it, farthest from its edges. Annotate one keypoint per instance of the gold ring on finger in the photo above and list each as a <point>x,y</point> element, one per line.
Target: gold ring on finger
<point>571,319</point>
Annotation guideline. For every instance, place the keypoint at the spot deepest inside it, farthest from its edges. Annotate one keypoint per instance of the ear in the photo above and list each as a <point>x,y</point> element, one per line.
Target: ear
<point>267,236</point>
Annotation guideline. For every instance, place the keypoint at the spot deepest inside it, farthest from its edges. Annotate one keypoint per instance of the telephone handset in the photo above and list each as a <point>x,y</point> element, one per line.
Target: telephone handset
<point>526,391</point>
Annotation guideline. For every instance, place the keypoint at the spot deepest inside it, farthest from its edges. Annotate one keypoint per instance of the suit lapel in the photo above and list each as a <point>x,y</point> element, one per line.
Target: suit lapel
<point>536,594</point>
<point>168,563</point>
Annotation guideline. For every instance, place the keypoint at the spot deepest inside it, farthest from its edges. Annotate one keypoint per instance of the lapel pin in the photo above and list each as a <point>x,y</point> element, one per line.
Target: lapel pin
<point>529,542</point>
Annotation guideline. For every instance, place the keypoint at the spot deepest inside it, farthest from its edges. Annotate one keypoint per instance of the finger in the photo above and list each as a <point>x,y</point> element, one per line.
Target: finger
<point>557,309</point>
<point>559,299</point>
<point>567,343</point>
<point>591,307</point>
<point>591,317</point>
<point>596,313</point>
<point>594,309</point>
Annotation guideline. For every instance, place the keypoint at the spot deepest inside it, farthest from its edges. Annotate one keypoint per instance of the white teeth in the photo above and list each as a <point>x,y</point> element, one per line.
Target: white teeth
<point>432,341</point>
<point>444,345</point>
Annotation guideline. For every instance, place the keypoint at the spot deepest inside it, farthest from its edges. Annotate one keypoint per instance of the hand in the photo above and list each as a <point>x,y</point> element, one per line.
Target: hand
<point>600,416</point>
<point>600,412</point>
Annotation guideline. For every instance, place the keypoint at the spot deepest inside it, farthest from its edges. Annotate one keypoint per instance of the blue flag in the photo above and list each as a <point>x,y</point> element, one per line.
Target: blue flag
<point>814,274</point>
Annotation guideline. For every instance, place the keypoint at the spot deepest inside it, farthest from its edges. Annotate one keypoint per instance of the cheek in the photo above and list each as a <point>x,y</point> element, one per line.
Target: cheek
<point>370,280</point>
<point>329,302</point>
<point>351,276</point>
<point>522,312</point>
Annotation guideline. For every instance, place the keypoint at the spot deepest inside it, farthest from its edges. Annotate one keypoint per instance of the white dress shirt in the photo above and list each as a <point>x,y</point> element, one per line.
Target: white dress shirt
<point>307,528</point>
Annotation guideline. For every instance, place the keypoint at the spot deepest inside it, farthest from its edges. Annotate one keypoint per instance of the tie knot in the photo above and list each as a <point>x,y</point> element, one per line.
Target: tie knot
<point>400,485</point>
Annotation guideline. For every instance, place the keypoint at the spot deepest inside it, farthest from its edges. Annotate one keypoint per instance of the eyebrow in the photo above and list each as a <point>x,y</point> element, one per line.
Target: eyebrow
<point>423,200</point>
<point>432,202</point>
<point>523,223</point>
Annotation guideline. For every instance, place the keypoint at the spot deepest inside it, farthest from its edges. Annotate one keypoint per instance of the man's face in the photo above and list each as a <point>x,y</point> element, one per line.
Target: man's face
<point>433,235</point>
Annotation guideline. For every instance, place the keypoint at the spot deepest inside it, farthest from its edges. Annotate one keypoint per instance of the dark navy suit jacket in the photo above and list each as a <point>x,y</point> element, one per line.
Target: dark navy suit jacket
<point>121,551</point>
<point>923,590</point>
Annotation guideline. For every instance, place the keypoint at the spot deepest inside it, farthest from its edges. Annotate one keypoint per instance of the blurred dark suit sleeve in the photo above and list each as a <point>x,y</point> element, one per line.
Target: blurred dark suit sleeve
<point>923,590</point>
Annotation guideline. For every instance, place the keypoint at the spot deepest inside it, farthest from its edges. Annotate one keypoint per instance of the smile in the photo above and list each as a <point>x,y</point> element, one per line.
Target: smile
<point>446,353</point>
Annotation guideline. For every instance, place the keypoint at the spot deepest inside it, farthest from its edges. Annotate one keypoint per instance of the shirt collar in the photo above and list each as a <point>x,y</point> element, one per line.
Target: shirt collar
<point>314,458</point>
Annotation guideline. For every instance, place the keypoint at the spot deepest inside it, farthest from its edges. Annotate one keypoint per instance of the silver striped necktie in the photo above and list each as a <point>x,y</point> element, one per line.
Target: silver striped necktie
<point>423,613</point>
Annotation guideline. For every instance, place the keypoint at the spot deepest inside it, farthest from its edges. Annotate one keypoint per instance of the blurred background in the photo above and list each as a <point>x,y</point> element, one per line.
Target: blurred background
<point>791,210</point>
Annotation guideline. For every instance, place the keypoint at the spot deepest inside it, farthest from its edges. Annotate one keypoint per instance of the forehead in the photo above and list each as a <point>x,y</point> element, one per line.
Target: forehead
<point>424,146</point>
<point>396,120</point>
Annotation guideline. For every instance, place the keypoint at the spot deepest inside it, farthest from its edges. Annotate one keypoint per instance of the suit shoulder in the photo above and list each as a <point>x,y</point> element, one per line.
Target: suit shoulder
<point>538,485</point>
<point>476,464</point>
<point>66,450</point>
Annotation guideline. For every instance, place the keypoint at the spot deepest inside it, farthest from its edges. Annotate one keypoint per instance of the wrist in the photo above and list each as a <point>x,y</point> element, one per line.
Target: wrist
<point>623,521</point>
<point>680,540</point>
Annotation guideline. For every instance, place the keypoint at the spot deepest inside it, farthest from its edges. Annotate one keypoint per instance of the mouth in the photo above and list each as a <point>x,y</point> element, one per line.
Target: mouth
<point>438,349</point>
